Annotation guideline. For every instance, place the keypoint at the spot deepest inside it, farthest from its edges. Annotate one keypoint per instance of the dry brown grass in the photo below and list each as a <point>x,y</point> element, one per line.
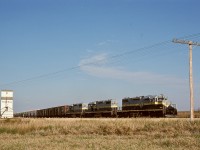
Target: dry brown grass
<point>186,114</point>
<point>133,133</point>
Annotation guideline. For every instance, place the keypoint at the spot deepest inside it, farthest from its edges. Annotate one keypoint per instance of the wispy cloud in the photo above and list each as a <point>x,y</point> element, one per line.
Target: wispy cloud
<point>94,60</point>
<point>106,42</point>
<point>96,66</point>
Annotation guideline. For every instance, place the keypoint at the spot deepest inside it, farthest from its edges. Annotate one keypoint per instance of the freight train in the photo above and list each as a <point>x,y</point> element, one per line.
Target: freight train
<point>140,106</point>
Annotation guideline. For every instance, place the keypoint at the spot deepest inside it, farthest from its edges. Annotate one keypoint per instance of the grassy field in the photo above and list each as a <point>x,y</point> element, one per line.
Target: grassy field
<point>118,134</point>
<point>186,114</point>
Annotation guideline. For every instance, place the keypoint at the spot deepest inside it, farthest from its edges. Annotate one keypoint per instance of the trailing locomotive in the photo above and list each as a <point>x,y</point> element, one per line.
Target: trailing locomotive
<point>104,108</point>
<point>149,106</point>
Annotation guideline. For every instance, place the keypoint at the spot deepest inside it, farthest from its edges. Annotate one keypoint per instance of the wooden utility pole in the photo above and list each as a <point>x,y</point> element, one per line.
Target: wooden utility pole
<point>190,43</point>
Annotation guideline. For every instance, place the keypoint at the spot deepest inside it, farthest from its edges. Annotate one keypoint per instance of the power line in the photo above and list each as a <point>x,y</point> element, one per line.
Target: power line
<point>85,64</point>
<point>139,50</point>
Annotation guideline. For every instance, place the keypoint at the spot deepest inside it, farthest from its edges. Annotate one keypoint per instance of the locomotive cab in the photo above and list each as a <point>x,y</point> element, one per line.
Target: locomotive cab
<point>81,107</point>
<point>106,105</point>
<point>92,106</point>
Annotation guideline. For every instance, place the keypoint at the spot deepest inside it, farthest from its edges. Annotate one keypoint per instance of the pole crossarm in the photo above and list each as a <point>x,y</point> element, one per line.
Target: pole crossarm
<point>190,43</point>
<point>185,42</point>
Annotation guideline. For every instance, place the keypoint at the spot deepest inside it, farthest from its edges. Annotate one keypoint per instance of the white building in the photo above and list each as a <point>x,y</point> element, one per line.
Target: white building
<point>6,104</point>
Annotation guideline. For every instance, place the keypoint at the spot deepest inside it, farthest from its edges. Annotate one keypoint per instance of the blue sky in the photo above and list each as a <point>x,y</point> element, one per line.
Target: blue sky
<point>56,52</point>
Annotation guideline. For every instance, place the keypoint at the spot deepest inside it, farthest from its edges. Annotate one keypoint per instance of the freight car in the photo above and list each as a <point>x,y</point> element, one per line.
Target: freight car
<point>58,111</point>
<point>28,114</point>
<point>151,106</point>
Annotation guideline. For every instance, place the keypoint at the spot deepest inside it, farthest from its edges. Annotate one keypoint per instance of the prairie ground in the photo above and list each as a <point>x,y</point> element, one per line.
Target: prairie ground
<point>118,134</point>
<point>186,114</point>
